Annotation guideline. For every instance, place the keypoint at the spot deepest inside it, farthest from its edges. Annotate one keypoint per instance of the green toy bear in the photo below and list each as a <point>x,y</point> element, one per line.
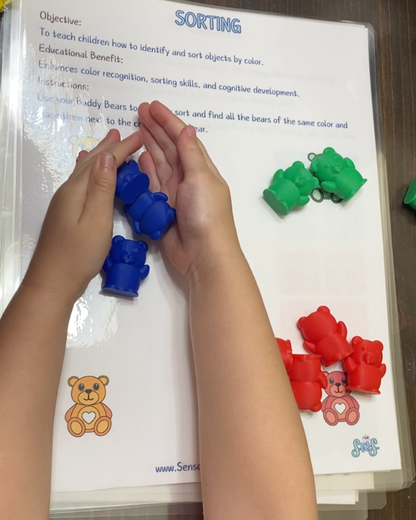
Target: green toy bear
<point>410,197</point>
<point>336,174</point>
<point>290,188</point>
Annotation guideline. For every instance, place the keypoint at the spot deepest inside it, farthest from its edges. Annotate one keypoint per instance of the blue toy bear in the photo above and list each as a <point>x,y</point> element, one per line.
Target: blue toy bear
<point>131,182</point>
<point>125,266</point>
<point>150,212</point>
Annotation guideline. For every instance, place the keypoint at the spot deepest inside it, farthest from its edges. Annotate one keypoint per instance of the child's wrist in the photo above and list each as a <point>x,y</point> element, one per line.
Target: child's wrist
<point>59,296</point>
<point>209,266</point>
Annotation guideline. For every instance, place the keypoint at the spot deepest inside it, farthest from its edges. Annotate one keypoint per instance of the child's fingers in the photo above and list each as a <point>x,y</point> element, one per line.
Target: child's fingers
<point>126,147</point>
<point>101,184</point>
<point>101,188</point>
<point>163,168</point>
<point>81,155</point>
<point>171,238</point>
<point>79,162</point>
<point>148,167</point>
<point>167,120</point>
<point>159,134</point>
<point>111,138</point>
<point>100,177</point>
<point>192,157</point>
<point>169,186</point>
<point>173,126</point>
<point>121,150</point>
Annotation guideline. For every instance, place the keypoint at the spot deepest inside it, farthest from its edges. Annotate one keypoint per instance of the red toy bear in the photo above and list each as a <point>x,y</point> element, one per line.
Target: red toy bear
<point>339,406</point>
<point>285,348</point>
<point>306,377</point>
<point>364,366</point>
<point>307,381</point>
<point>324,336</point>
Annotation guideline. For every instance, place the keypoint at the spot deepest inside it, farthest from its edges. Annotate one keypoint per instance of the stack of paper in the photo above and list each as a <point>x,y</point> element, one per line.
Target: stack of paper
<point>263,91</point>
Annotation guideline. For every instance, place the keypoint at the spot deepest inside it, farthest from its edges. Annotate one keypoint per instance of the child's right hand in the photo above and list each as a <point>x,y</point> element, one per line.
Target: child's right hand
<point>178,164</point>
<point>77,230</point>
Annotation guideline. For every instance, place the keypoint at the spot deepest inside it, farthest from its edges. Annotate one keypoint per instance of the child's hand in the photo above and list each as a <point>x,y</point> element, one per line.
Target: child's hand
<point>76,234</point>
<point>178,164</point>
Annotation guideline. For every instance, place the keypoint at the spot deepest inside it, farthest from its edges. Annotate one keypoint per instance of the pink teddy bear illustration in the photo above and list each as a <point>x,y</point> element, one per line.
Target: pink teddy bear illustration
<point>339,406</point>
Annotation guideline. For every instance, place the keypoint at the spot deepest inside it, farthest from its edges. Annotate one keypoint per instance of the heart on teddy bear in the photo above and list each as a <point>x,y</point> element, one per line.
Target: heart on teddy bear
<point>88,417</point>
<point>340,407</point>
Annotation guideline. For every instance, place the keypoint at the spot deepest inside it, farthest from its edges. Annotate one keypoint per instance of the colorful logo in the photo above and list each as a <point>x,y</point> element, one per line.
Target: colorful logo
<point>366,445</point>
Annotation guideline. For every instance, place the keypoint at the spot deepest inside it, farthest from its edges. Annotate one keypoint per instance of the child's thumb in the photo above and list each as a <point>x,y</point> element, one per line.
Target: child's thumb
<point>101,187</point>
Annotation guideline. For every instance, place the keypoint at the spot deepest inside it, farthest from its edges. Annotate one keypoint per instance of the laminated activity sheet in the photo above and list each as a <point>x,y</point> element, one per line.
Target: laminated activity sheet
<point>263,91</point>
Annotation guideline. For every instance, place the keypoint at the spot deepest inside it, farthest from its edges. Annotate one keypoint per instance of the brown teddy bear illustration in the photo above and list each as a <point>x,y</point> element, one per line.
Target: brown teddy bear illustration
<point>339,406</point>
<point>89,413</point>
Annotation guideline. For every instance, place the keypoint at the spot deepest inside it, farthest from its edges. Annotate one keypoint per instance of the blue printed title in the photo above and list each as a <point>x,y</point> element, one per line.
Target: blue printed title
<point>208,21</point>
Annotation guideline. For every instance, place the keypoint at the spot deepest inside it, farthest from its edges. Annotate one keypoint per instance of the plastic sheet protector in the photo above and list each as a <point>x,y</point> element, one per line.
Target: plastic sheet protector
<point>263,92</point>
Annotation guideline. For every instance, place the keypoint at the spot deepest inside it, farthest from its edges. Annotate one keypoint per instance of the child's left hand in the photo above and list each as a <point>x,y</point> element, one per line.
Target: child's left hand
<point>77,230</point>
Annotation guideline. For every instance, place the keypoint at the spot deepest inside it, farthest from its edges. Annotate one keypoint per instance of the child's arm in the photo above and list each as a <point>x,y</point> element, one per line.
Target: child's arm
<point>75,238</point>
<point>254,457</point>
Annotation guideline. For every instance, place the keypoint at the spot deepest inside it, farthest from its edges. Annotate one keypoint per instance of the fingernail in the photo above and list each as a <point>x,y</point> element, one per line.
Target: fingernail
<point>107,160</point>
<point>190,130</point>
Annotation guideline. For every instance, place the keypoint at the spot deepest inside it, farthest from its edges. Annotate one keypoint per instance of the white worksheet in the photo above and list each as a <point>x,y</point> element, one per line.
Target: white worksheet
<point>263,91</point>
